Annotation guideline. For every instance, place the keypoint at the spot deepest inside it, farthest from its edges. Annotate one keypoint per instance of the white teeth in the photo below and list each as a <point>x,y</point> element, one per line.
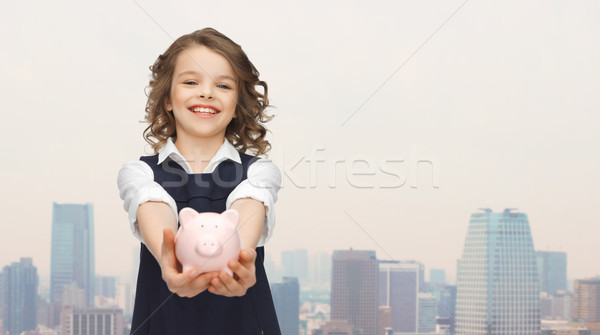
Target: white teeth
<point>204,110</point>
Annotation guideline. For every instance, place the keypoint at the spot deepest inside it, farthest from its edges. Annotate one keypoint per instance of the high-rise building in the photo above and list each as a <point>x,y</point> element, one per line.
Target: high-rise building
<point>497,286</point>
<point>286,297</point>
<point>96,321</point>
<point>335,328</point>
<point>72,253</point>
<point>384,320</point>
<point>271,269</point>
<point>354,289</point>
<point>106,286</point>
<point>586,300</point>
<point>445,296</point>
<point>399,289</point>
<point>556,306</point>
<point>40,330</point>
<point>437,276</point>
<point>564,327</point>
<point>295,264</point>
<point>427,313</point>
<point>552,271</point>
<point>320,268</point>
<point>19,296</point>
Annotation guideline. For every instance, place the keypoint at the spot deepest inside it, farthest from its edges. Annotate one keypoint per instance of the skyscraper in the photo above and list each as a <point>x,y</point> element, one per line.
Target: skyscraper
<point>295,264</point>
<point>556,306</point>
<point>354,289</point>
<point>286,297</point>
<point>586,300</point>
<point>399,289</point>
<point>106,286</point>
<point>320,268</point>
<point>552,271</point>
<point>72,253</point>
<point>427,313</point>
<point>437,276</point>
<point>497,286</point>
<point>445,296</point>
<point>19,296</point>
<point>96,321</point>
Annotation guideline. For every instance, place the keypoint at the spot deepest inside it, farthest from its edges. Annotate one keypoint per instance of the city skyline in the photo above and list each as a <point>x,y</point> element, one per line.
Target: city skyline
<point>435,297</point>
<point>280,269</point>
<point>498,105</point>
<point>285,267</point>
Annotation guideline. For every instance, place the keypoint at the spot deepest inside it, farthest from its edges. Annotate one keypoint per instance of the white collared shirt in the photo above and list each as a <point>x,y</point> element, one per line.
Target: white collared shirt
<point>137,186</point>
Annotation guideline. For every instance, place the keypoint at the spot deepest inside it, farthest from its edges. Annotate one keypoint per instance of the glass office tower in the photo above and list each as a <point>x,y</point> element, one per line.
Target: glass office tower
<point>497,286</point>
<point>72,253</point>
<point>286,297</point>
<point>18,296</point>
<point>552,271</point>
<point>354,289</point>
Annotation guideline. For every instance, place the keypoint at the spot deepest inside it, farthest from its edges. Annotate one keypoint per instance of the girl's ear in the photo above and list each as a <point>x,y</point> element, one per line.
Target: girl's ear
<point>168,105</point>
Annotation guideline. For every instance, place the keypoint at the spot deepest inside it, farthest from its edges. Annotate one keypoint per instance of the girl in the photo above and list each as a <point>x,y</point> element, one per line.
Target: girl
<point>204,112</point>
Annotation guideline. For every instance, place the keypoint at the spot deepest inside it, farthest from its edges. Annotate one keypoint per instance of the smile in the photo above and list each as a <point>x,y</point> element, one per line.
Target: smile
<point>204,110</point>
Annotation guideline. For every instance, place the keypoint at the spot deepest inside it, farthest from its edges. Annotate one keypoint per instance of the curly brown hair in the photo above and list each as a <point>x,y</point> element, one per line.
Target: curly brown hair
<point>246,132</point>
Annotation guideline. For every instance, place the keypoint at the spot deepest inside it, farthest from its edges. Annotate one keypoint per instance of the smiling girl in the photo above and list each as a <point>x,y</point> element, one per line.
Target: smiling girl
<point>204,113</point>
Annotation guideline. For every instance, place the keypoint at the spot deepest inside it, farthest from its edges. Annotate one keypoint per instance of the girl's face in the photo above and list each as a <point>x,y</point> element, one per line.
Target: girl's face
<point>203,94</point>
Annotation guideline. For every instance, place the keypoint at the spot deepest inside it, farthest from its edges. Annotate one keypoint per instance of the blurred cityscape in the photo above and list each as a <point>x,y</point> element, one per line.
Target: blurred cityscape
<point>503,286</point>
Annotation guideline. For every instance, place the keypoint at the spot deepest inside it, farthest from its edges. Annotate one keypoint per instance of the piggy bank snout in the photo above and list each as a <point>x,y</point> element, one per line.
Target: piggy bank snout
<point>208,245</point>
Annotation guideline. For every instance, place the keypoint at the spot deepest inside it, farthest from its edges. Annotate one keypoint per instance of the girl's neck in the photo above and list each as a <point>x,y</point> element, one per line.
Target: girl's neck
<point>198,152</point>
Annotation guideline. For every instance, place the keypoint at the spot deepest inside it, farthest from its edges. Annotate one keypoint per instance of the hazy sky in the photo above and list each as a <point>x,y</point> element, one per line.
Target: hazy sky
<point>502,100</point>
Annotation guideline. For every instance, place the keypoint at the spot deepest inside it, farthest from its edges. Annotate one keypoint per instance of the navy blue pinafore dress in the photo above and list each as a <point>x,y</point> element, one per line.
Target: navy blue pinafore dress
<point>157,310</point>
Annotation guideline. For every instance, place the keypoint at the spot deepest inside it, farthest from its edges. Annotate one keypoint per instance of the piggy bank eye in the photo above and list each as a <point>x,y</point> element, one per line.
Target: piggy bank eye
<point>216,226</point>
<point>202,226</point>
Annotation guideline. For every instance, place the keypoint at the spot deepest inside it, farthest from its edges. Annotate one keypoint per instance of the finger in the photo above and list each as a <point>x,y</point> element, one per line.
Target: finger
<point>217,286</point>
<point>246,278</point>
<point>246,261</point>
<point>200,283</point>
<point>171,273</point>
<point>238,269</point>
<point>168,248</point>
<point>247,257</point>
<point>182,283</point>
<point>192,286</point>
<point>245,269</point>
<point>230,285</point>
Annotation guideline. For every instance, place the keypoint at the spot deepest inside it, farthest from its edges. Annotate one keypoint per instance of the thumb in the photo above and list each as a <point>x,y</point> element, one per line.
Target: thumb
<point>247,256</point>
<point>168,249</point>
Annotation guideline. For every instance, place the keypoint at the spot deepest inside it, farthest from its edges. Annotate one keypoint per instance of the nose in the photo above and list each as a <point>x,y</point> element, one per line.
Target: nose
<point>205,92</point>
<point>208,245</point>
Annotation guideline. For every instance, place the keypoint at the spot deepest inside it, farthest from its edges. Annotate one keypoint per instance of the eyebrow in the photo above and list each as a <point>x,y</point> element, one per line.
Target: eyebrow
<point>223,76</point>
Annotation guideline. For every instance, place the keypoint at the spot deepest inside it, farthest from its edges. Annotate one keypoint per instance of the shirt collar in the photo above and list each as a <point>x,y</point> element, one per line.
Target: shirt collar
<point>225,152</point>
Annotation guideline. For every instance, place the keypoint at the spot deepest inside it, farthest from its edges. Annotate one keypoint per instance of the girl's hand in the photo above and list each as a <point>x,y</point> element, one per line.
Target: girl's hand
<point>244,276</point>
<point>184,284</point>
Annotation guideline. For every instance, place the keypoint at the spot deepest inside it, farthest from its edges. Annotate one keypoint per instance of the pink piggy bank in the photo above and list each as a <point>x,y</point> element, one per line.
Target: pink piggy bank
<point>207,241</point>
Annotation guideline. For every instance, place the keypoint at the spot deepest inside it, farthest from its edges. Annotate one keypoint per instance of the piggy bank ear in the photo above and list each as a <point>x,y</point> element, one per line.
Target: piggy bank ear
<point>186,215</point>
<point>232,216</point>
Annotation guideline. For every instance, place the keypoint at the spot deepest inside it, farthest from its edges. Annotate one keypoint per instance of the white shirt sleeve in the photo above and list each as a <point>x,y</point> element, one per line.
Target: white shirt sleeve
<point>137,186</point>
<point>262,184</point>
